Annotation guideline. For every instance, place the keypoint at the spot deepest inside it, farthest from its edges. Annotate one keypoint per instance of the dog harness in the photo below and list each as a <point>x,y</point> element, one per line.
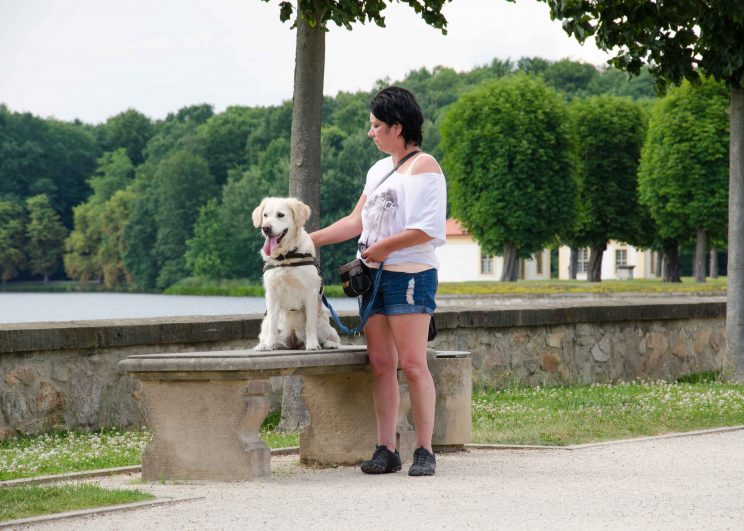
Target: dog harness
<point>293,255</point>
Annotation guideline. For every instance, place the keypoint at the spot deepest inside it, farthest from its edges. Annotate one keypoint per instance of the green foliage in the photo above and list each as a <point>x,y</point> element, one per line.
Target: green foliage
<point>45,157</point>
<point>130,131</point>
<point>12,239</point>
<point>609,133</point>
<point>96,246</point>
<point>45,235</point>
<point>510,163</point>
<point>222,139</point>
<point>81,246</point>
<point>683,176</point>
<point>246,150</point>
<point>182,183</point>
<point>140,232</point>
<point>346,13</point>
<point>345,162</point>
<point>177,131</point>
<point>115,171</point>
<point>113,223</point>
<point>205,251</point>
<point>225,243</point>
<point>678,40</point>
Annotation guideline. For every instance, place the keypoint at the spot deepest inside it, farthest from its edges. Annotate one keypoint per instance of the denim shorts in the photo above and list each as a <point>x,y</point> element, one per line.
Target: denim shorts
<point>401,293</point>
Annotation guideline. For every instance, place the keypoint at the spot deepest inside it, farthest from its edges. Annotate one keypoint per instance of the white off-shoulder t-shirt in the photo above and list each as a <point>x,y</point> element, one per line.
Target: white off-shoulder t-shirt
<point>405,201</point>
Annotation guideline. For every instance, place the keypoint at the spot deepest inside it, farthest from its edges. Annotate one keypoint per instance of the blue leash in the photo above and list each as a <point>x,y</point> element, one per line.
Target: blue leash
<point>363,315</point>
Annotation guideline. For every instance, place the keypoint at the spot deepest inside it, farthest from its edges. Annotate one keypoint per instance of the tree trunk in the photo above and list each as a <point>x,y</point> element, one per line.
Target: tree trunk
<point>700,247</point>
<point>304,173</point>
<point>735,292</point>
<point>713,262</point>
<point>307,113</point>
<point>510,271</point>
<point>573,263</point>
<point>659,263</point>
<point>46,278</point>
<point>596,250</point>
<point>670,271</point>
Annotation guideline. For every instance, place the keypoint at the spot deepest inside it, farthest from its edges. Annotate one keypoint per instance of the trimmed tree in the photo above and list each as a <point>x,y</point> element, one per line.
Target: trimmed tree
<point>679,40</point>
<point>610,134</point>
<point>511,166</point>
<point>684,169</point>
<point>45,235</point>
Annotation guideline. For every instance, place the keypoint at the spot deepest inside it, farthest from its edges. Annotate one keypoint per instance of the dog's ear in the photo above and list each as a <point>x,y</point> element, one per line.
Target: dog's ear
<point>258,214</point>
<point>300,212</point>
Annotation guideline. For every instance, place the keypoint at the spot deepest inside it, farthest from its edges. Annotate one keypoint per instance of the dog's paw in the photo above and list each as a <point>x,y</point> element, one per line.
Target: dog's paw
<point>331,344</point>
<point>312,346</point>
<point>263,347</point>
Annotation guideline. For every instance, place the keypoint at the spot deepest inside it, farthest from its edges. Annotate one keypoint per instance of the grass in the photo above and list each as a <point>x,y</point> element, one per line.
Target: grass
<point>277,439</point>
<point>547,287</point>
<point>59,452</point>
<point>23,502</point>
<point>71,451</point>
<point>583,414</point>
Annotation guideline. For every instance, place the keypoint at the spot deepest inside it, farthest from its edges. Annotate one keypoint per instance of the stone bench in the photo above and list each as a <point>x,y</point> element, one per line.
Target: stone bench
<point>205,409</point>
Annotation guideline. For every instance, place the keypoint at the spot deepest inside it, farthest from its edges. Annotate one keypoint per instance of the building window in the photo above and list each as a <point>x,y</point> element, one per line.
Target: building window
<point>621,257</point>
<point>539,262</point>
<point>583,260</point>
<point>486,265</point>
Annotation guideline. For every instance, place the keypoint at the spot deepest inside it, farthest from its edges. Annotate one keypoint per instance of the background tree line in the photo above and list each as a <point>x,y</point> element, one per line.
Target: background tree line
<point>147,203</point>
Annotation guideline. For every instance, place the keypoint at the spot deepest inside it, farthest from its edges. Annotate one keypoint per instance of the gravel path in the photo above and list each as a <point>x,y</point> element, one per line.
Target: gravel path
<point>682,483</point>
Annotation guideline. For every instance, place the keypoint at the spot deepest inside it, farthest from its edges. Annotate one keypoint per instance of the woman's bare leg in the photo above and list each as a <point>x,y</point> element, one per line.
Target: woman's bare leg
<point>410,332</point>
<point>383,361</point>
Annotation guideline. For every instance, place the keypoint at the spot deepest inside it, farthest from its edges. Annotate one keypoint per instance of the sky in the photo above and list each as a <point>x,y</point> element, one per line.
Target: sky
<point>91,59</point>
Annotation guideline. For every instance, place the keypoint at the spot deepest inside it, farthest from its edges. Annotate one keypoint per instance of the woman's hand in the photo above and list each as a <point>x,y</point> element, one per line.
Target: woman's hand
<point>377,252</point>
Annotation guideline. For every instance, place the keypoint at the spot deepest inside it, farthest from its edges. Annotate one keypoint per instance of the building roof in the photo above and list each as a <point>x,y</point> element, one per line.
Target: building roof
<point>453,228</point>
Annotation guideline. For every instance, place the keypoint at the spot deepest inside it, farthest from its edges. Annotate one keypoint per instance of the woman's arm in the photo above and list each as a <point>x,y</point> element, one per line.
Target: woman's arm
<point>379,251</point>
<point>344,229</point>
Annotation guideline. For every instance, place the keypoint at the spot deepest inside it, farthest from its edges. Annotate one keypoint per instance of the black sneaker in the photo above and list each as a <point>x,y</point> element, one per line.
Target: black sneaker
<point>424,463</point>
<point>382,462</point>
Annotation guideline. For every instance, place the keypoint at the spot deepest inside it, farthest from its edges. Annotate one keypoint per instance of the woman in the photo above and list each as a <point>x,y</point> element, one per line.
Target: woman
<point>400,218</point>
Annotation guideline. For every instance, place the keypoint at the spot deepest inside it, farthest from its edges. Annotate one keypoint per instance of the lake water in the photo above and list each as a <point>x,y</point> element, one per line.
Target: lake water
<point>36,307</point>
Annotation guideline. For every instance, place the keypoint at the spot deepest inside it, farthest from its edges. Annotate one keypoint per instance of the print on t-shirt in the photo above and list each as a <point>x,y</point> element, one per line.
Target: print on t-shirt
<point>379,213</point>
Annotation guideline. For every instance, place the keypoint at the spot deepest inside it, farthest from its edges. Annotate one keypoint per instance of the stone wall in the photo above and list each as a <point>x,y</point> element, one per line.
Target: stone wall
<point>64,374</point>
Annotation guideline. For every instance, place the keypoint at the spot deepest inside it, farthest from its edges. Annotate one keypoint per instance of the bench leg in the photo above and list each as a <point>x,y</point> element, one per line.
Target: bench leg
<point>343,428</point>
<point>453,379</point>
<point>205,430</point>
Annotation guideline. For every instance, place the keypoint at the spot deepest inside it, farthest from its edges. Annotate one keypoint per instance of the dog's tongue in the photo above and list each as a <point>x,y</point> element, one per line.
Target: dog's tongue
<point>270,245</point>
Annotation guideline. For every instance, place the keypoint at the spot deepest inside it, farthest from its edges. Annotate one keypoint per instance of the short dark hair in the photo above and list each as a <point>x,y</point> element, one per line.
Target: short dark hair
<point>396,105</point>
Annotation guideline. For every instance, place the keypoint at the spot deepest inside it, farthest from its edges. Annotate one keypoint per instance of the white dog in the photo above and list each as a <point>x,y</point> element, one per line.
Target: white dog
<point>294,312</point>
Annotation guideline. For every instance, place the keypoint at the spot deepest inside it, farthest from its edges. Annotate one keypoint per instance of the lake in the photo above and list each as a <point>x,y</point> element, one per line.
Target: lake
<point>37,307</point>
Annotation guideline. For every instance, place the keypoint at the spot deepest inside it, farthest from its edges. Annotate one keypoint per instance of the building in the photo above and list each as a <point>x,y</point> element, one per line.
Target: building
<point>617,257</point>
<point>461,260</point>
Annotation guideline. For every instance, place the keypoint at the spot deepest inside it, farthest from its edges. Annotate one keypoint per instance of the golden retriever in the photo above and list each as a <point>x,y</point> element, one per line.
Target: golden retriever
<point>294,312</point>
